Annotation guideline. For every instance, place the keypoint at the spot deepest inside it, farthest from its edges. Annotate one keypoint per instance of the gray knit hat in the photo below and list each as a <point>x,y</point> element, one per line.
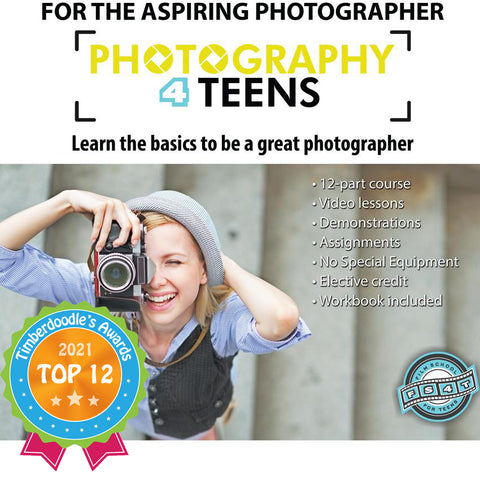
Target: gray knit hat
<point>194,218</point>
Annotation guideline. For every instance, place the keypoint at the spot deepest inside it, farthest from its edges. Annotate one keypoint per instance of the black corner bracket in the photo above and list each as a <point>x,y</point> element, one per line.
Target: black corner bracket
<point>408,33</point>
<point>408,118</point>
<point>82,119</point>
<point>77,37</point>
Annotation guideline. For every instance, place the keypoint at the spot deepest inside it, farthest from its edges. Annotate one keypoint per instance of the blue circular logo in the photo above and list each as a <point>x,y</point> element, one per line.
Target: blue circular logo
<point>438,387</point>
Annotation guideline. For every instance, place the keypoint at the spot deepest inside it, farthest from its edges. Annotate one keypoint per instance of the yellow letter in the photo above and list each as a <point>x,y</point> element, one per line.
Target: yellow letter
<point>275,60</point>
<point>324,58</point>
<point>362,59</point>
<point>381,56</point>
<point>117,58</point>
<point>221,58</point>
<point>186,56</point>
<point>256,62</point>
<point>95,59</point>
<point>300,51</point>
<point>158,58</point>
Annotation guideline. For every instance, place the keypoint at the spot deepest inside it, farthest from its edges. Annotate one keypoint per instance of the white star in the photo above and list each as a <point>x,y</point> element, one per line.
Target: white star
<point>74,398</point>
<point>93,401</point>
<point>56,401</point>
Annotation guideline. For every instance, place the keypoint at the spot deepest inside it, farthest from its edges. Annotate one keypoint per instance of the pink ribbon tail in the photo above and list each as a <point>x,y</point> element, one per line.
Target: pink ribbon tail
<point>97,452</point>
<point>51,452</point>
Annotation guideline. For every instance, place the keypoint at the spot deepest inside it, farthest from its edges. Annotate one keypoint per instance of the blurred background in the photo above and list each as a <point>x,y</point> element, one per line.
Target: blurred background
<point>341,383</point>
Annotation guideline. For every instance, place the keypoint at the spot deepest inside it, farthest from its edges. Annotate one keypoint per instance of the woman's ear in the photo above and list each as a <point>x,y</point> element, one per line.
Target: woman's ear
<point>204,278</point>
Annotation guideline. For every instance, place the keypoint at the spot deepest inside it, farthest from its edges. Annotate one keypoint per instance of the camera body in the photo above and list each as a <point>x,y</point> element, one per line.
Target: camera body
<point>120,272</point>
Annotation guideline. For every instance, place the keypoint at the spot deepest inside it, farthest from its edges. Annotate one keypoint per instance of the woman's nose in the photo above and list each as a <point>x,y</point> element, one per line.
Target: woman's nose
<point>158,279</point>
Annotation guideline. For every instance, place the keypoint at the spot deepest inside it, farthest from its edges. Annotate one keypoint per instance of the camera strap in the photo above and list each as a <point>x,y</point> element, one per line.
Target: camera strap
<point>90,264</point>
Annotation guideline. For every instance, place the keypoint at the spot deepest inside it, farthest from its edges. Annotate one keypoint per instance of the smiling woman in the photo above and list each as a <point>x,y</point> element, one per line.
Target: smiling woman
<point>200,307</point>
<point>180,272</point>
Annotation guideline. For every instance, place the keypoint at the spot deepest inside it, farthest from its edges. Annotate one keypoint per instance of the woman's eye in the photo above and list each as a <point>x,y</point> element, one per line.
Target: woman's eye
<point>174,262</point>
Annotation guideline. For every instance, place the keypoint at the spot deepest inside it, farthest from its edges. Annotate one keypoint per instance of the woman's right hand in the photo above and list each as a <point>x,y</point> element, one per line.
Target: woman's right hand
<point>21,227</point>
<point>103,210</point>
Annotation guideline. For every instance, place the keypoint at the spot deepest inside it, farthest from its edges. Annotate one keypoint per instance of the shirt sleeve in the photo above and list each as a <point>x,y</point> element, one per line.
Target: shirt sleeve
<point>33,273</point>
<point>233,329</point>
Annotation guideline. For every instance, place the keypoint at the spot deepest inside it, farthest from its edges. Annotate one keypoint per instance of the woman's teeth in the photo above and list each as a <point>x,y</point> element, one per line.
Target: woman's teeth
<point>162,299</point>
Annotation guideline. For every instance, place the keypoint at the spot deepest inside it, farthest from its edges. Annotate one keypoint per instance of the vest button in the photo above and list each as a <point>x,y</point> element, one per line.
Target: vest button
<point>152,388</point>
<point>218,404</point>
<point>159,421</point>
<point>153,402</point>
<point>155,411</point>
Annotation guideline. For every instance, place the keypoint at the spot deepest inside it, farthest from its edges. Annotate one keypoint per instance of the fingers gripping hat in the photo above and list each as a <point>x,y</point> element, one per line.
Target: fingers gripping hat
<point>188,212</point>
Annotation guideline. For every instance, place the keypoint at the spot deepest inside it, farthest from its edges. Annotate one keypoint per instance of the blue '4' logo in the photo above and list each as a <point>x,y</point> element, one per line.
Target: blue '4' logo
<point>175,92</point>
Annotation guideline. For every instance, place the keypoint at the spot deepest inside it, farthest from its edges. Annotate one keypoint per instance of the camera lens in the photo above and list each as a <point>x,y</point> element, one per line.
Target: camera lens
<point>116,273</point>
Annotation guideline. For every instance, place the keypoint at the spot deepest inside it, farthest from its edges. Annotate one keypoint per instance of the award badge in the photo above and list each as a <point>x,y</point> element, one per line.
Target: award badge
<point>74,375</point>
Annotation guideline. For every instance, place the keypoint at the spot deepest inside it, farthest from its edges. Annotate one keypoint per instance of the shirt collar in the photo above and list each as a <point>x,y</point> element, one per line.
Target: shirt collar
<point>181,336</point>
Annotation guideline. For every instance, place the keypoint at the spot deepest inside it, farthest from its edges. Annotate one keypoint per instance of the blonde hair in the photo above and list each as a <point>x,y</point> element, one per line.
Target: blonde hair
<point>209,299</point>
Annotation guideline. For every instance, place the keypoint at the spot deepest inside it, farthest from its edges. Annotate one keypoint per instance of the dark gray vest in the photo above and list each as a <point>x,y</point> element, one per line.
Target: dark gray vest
<point>187,398</point>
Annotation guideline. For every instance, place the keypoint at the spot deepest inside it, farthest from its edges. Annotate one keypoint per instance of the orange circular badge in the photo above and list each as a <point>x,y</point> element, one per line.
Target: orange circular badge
<point>74,374</point>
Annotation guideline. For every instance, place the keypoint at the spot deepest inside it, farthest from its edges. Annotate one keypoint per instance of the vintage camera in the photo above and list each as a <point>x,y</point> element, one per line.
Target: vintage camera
<point>120,272</point>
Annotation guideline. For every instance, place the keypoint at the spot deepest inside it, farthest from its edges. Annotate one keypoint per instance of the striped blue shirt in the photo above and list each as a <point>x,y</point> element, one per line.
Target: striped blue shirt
<point>33,273</point>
